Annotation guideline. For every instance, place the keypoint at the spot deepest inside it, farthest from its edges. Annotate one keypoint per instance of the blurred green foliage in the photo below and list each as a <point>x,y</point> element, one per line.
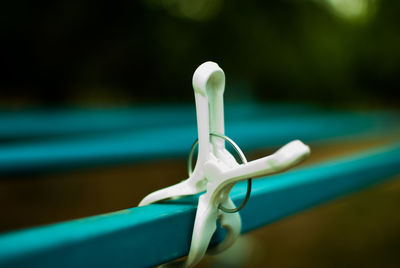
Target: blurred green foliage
<point>326,51</point>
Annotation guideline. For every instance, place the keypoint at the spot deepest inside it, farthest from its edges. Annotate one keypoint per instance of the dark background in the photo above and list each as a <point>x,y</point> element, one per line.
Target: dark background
<point>332,52</point>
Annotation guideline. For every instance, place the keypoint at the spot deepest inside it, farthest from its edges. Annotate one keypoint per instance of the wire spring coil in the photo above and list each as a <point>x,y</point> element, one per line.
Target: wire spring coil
<point>243,161</point>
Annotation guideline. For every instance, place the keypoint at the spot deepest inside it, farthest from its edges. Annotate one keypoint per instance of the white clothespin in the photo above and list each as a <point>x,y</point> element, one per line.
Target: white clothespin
<point>216,169</point>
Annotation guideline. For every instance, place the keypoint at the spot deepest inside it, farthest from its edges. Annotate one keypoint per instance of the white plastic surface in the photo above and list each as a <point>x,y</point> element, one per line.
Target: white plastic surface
<point>216,169</point>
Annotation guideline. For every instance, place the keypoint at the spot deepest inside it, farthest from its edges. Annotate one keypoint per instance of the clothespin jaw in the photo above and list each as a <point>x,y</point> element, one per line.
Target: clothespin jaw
<point>205,225</point>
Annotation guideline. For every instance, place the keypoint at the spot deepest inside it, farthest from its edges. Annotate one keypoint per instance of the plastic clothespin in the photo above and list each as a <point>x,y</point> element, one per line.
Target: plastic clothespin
<point>216,169</point>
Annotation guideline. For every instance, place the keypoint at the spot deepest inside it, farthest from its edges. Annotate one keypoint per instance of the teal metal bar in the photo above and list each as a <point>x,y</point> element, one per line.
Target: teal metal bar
<point>39,123</point>
<point>147,236</point>
<point>174,141</point>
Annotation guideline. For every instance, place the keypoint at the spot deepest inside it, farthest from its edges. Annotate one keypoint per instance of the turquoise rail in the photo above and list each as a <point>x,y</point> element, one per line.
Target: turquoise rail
<point>39,123</point>
<point>146,236</point>
<point>148,134</point>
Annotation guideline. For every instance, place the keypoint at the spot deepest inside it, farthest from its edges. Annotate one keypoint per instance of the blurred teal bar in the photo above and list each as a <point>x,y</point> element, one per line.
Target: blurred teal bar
<point>40,123</point>
<point>175,141</point>
<point>151,235</point>
<point>169,140</point>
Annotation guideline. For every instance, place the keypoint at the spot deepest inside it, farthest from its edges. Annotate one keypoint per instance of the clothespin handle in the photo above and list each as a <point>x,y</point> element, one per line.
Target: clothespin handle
<point>209,85</point>
<point>287,156</point>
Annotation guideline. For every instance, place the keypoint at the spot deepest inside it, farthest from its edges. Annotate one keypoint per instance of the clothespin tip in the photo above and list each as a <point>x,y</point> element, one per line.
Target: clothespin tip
<point>208,76</point>
<point>292,153</point>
